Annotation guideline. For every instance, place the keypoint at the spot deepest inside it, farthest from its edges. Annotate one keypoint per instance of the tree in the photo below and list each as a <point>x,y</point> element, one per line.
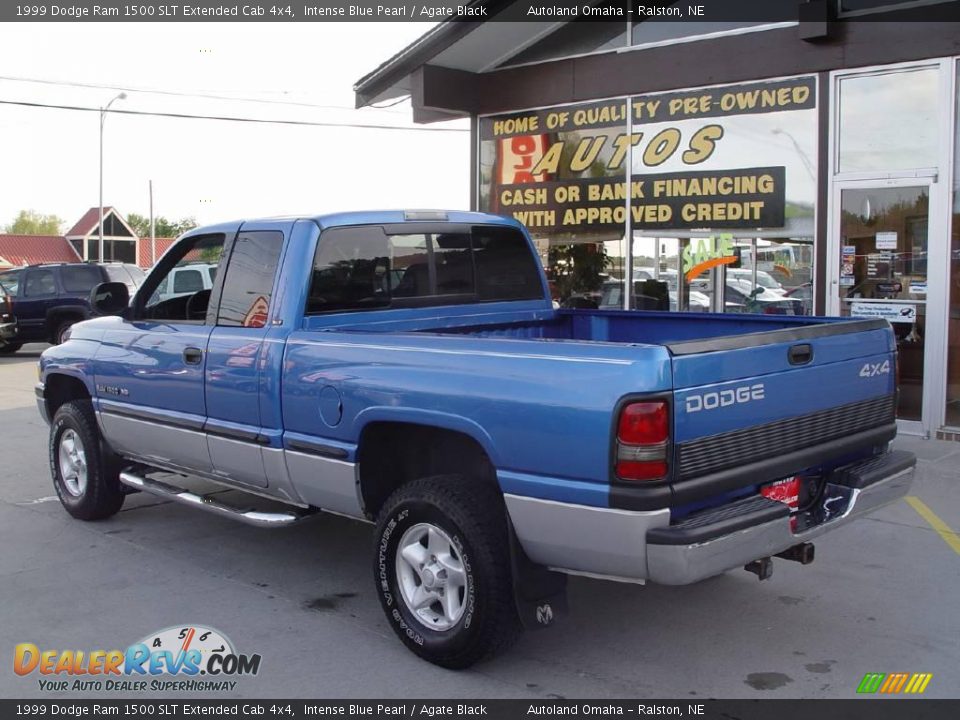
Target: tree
<point>29,222</point>
<point>162,226</point>
<point>577,268</point>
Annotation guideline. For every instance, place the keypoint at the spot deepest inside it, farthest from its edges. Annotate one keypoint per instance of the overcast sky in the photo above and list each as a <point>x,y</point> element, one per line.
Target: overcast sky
<point>215,170</point>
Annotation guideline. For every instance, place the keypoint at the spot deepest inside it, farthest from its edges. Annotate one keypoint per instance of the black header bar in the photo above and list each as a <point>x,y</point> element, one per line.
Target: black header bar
<point>614,11</point>
<point>433,709</point>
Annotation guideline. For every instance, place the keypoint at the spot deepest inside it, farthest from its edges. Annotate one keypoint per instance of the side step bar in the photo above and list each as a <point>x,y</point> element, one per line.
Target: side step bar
<point>205,502</point>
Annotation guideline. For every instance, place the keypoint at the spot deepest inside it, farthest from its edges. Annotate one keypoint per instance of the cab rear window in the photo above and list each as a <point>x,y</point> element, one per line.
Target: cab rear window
<point>372,266</point>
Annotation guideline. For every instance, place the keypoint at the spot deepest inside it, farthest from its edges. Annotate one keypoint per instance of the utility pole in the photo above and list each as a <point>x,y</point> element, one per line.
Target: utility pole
<point>153,231</point>
<point>103,115</point>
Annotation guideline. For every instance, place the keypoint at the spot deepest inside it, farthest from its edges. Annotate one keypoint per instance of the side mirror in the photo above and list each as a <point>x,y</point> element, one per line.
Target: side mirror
<point>109,298</point>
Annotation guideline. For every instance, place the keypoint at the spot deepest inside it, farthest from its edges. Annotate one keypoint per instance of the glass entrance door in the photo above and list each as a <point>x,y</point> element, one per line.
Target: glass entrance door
<point>882,244</point>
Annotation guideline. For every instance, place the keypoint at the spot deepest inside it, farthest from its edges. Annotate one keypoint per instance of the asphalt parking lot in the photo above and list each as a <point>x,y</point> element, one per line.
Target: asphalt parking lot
<point>881,597</point>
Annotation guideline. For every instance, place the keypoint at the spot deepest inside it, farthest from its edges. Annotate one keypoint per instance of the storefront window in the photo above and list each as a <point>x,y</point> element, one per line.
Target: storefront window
<point>712,169</point>
<point>731,171</point>
<point>953,336</point>
<point>888,121</point>
<point>562,173</point>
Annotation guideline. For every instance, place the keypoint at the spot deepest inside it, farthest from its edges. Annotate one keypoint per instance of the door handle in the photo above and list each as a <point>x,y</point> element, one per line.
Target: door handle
<point>800,354</point>
<point>192,356</point>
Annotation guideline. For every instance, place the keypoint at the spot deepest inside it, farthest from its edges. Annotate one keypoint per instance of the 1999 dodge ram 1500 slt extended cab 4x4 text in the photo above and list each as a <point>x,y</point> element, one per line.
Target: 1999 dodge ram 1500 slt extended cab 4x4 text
<point>408,368</point>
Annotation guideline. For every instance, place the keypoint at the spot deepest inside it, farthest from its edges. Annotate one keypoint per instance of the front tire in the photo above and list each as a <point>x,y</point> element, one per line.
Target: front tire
<point>60,332</point>
<point>86,474</point>
<point>442,569</point>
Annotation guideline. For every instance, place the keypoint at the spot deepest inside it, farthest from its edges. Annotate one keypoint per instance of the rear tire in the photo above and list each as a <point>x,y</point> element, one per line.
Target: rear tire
<point>10,348</point>
<point>442,570</point>
<point>86,473</point>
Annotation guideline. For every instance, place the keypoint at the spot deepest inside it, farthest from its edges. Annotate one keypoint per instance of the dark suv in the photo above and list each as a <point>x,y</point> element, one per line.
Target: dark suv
<point>48,299</point>
<point>8,323</point>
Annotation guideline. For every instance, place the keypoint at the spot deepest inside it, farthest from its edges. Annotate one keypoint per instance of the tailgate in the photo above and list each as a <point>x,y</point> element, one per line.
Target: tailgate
<point>759,397</point>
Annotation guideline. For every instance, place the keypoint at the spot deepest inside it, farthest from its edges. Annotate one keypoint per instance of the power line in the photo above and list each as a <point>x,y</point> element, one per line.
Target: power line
<point>227,118</point>
<point>174,93</point>
<point>389,105</point>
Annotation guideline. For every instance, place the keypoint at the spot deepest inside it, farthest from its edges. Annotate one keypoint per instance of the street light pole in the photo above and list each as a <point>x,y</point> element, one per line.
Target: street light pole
<point>808,166</point>
<point>103,115</point>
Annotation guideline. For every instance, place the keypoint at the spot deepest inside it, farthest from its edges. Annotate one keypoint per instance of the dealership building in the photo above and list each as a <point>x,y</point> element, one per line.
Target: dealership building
<point>811,152</point>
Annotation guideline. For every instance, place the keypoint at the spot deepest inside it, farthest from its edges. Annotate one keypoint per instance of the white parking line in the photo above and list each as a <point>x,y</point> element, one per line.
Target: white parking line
<point>38,500</point>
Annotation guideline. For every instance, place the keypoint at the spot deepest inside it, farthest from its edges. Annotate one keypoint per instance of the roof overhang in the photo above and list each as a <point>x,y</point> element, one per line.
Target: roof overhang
<point>455,50</point>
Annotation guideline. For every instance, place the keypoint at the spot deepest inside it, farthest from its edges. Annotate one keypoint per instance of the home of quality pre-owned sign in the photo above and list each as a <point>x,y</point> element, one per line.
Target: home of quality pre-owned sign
<point>562,169</point>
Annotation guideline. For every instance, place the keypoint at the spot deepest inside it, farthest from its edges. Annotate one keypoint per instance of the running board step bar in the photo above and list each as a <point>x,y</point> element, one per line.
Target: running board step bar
<point>205,502</point>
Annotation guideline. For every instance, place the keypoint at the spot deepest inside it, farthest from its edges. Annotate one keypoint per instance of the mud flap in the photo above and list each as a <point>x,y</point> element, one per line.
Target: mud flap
<point>540,594</point>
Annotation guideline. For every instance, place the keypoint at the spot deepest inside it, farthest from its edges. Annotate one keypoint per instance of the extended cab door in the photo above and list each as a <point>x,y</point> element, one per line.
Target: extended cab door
<point>236,370</point>
<point>149,370</point>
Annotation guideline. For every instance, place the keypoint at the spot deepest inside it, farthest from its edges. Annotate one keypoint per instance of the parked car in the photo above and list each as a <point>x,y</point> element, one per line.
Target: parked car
<point>497,444</point>
<point>612,297</point>
<point>8,324</point>
<point>743,296</point>
<point>187,279</point>
<point>49,299</point>
<point>765,280</point>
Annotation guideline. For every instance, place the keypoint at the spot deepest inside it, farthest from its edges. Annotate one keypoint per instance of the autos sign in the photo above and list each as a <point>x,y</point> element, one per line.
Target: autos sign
<point>565,169</point>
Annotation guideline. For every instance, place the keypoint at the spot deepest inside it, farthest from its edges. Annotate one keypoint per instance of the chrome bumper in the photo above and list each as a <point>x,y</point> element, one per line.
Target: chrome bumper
<point>632,546</point>
<point>685,564</point>
<point>8,331</point>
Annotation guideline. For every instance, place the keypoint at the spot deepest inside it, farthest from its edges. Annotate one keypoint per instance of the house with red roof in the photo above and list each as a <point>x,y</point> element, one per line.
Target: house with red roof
<point>81,243</point>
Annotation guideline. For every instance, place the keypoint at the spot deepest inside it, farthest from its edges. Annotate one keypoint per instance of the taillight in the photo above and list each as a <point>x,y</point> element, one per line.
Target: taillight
<point>643,431</point>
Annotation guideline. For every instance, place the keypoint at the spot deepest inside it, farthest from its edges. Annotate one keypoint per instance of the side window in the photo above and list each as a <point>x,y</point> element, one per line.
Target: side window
<point>39,282</point>
<point>80,278</point>
<point>248,279</point>
<point>11,283</point>
<point>165,297</point>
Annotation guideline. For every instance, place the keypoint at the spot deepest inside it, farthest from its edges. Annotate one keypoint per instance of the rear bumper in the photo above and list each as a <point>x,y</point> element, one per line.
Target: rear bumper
<point>643,545</point>
<point>672,561</point>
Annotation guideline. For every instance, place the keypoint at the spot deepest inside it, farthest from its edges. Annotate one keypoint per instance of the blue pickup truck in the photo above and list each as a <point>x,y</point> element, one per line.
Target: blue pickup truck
<point>408,369</point>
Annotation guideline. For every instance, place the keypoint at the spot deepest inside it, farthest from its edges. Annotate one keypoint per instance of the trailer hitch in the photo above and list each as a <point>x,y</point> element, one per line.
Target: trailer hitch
<point>802,553</point>
<point>762,568</point>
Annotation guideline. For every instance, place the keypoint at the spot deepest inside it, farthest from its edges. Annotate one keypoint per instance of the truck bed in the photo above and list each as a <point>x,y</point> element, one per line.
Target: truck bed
<point>649,328</point>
